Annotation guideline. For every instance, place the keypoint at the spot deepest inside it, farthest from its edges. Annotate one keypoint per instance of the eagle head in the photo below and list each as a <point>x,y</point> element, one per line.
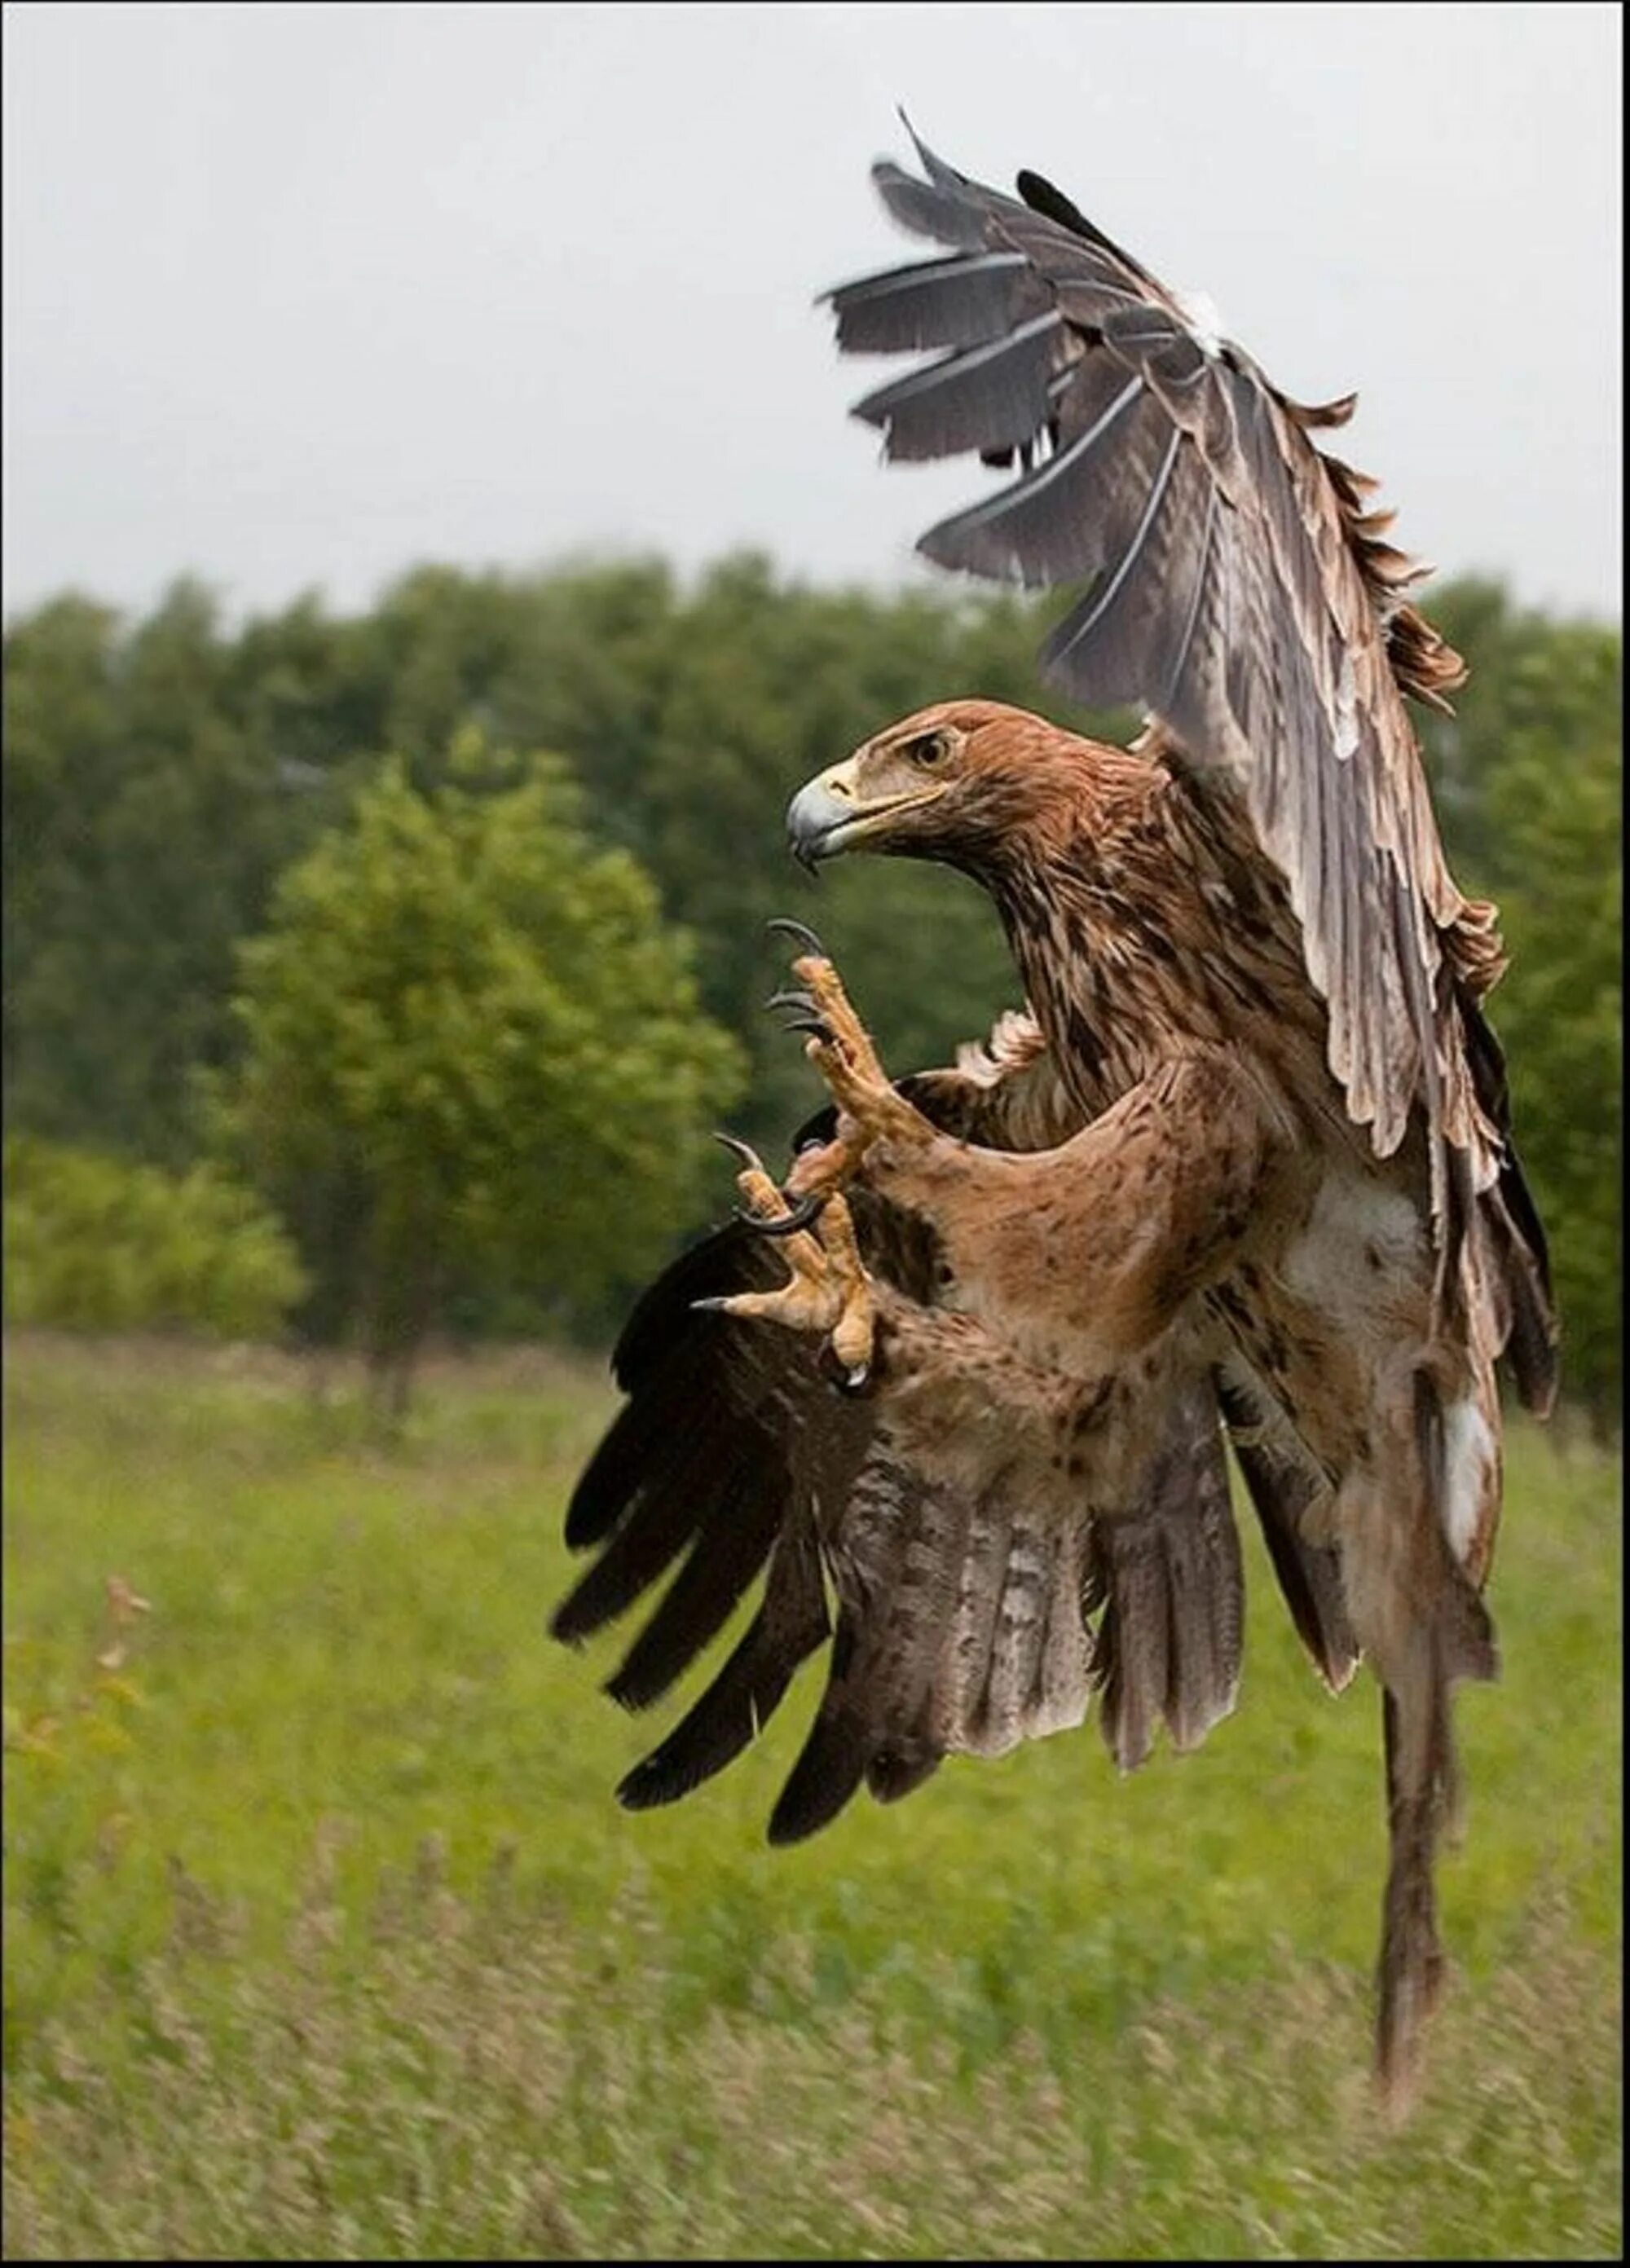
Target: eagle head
<point>958,782</point>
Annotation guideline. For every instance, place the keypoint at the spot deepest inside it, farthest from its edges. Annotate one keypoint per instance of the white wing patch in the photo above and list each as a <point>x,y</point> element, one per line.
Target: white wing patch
<point>1201,312</point>
<point>1471,1475</point>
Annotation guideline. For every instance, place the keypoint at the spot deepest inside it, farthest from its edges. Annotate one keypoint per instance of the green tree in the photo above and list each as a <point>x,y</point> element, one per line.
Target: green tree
<point>160,774</point>
<point>97,1244</point>
<point>144,824</point>
<point>1553,804</point>
<point>474,1055</point>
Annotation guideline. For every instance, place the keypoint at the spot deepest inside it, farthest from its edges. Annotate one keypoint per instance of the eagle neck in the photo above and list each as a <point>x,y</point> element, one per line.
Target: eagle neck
<point>1135,940</point>
<point>1107,1025</point>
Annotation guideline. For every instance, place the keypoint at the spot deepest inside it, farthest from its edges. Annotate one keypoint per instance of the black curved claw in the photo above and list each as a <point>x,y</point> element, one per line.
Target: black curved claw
<point>806,1210</point>
<point>744,1151</point>
<point>805,1016</point>
<point>802,1003</point>
<point>846,1380</point>
<point>800,935</point>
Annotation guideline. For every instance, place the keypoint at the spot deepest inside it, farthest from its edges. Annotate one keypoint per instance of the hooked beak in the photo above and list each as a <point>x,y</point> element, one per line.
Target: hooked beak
<point>827,817</point>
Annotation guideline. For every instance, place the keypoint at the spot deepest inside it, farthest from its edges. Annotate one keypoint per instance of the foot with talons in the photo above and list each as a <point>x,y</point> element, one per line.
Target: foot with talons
<point>840,1048</point>
<point>766,1209</point>
<point>827,1292</point>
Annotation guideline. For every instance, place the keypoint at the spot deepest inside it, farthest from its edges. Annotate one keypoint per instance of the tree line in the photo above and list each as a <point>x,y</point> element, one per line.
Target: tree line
<point>612,749</point>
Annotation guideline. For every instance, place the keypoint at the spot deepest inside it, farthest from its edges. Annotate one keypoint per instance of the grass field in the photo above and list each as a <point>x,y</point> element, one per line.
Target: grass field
<point>325,1938</point>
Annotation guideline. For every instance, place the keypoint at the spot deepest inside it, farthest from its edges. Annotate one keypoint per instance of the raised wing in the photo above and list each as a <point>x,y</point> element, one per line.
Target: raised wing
<point>1238,588</point>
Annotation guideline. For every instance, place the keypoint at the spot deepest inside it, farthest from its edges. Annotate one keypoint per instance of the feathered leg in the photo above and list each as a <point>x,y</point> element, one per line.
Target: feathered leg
<point>1410,1981</point>
<point>1423,1798</point>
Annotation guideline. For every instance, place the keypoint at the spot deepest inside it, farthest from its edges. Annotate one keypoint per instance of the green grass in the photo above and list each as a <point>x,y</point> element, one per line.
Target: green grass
<point>324,1936</point>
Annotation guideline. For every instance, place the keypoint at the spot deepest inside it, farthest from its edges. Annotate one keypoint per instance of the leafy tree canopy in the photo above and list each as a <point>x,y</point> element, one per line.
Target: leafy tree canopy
<point>160,775</point>
<point>473,1052</point>
<point>1552,857</point>
<point>96,1244</point>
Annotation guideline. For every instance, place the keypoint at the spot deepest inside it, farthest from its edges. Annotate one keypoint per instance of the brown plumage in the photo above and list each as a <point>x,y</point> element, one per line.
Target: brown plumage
<point>1242,1167</point>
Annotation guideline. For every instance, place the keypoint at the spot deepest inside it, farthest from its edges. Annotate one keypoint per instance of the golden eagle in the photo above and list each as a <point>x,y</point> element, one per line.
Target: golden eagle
<point>1242,1170</point>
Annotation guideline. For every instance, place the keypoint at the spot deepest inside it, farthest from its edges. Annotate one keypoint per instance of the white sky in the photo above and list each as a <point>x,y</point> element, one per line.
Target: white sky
<point>296,296</point>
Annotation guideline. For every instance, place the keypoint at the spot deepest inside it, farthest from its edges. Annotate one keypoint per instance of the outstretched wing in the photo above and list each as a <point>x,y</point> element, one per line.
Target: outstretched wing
<point>1238,588</point>
<point>735,1457</point>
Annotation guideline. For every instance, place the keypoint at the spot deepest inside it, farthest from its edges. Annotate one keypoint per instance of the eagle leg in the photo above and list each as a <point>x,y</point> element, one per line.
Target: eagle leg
<point>870,1108</point>
<point>1422,1801</point>
<point>847,1060</point>
<point>827,1291</point>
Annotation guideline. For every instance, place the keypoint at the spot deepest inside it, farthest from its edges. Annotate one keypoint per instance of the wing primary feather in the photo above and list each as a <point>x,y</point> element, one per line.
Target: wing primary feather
<point>1080,626</point>
<point>728,1259</point>
<point>638,1438</point>
<point>929,208</point>
<point>959,302</point>
<point>944,543</point>
<point>664,1513</point>
<point>1178,663</point>
<point>748,1509</point>
<point>830,1769</point>
<point>993,396</point>
<point>791,1622</point>
<point>1041,195</point>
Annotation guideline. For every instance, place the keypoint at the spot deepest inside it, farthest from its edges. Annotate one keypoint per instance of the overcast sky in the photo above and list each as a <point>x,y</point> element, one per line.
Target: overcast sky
<point>297,295</point>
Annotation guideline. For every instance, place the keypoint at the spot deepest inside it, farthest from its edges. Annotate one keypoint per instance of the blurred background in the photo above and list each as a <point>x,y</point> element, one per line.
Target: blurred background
<point>434,549</point>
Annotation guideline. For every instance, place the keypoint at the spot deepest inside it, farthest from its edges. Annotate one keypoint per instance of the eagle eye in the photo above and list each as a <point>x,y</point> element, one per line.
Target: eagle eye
<point>929,748</point>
